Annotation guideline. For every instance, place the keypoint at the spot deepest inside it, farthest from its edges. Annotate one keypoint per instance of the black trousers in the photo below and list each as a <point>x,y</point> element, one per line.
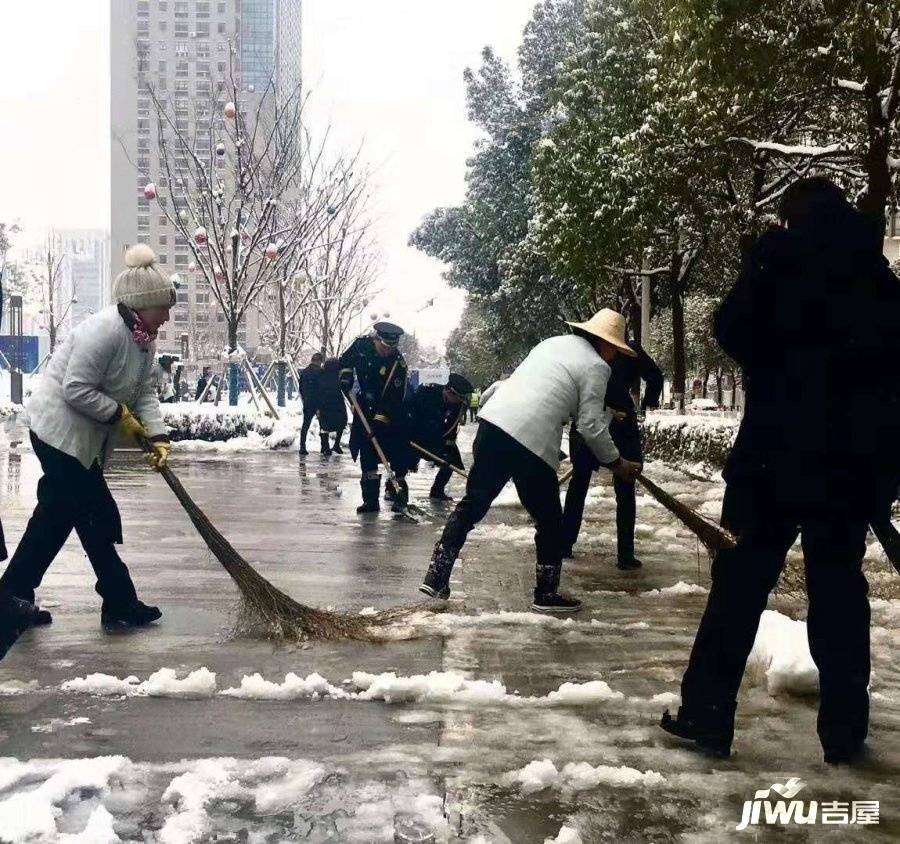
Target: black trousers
<point>370,480</point>
<point>837,622</point>
<point>498,458</point>
<point>627,437</point>
<point>70,496</point>
<point>442,478</point>
<point>309,413</point>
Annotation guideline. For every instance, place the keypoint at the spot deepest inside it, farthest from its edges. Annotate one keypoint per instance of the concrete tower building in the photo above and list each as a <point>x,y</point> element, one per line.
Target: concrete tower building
<point>184,48</point>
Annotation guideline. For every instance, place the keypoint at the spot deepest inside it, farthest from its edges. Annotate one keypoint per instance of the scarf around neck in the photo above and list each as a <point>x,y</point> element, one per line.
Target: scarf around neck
<point>139,331</point>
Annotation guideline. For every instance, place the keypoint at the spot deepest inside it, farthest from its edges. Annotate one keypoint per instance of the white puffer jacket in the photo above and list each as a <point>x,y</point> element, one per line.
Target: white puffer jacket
<point>97,367</point>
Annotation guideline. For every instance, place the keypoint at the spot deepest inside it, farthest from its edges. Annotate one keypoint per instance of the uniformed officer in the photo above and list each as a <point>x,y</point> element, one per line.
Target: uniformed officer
<point>379,368</point>
<point>434,415</point>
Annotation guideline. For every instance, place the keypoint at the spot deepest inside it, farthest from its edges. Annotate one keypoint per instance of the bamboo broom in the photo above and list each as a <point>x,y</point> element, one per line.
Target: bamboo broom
<point>264,605</point>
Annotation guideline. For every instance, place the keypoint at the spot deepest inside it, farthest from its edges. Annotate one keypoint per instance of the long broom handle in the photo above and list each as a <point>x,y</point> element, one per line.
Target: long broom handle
<point>566,475</point>
<point>375,444</point>
<point>437,459</point>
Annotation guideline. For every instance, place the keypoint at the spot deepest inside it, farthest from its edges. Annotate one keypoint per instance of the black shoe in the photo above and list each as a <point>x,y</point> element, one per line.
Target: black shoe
<point>439,495</point>
<point>137,614</point>
<point>433,592</point>
<point>716,741</point>
<point>326,452</point>
<point>629,564</point>
<point>845,755</point>
<point>553,602</point>
<point>337,449</point>
<point>303,452</point>
<point>369,507</point>
<point>389,492</point>
<point>567,553</point>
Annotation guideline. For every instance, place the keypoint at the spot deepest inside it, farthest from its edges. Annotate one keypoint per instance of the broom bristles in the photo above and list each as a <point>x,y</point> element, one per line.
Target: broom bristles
<point>713,537</point>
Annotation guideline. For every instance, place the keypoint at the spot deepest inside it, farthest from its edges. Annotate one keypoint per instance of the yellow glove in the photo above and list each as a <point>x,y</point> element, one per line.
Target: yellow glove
<point>160,454</point>
<point>130,425</point>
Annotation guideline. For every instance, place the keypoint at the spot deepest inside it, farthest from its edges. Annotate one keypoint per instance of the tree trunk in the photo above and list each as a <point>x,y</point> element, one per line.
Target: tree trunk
<point>233,378</point>
<point>878,188</point>
<point>734,388</point>
<point>719,386</point>
<point>281,370</point>
<point>704,394</point>
<point>678,353</point>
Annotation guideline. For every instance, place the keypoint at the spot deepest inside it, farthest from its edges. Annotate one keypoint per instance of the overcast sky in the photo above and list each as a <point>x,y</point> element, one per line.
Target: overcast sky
<point>387,72</point>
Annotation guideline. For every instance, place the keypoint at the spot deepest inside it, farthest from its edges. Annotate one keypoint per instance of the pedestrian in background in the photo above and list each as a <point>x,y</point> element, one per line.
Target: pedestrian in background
<point>310,378</point>
<point>332,407</point>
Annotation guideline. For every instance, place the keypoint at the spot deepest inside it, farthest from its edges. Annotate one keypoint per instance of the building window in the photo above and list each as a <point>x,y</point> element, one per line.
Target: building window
<point>203,70</point>
<point>143,222</point>
<point>222,46</point>
<point>203,9</point>
<point>161,46</point>
<point>143,126</point>
<point>221,8</point>
<point>201,298</point>
<point>164,240</point>
<point>163,26</point>
<point>181,260</point>
<point>181,29</point>
<point>202,49</point>
<point>202,30</point>
<point>181,10</point>
<point>162,67</point>
<point>162,5</point>
<point>163,220</point>
<point>143,8</point>
<point>182,70</point>
<point>162,258</point>
<point>181,48</point>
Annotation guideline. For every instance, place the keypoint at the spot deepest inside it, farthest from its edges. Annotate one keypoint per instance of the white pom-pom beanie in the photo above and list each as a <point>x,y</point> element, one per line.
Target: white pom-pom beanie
<point>142,284</point>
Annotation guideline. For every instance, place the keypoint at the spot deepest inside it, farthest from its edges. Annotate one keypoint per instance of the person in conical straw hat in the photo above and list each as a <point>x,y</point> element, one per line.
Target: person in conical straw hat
<point>98,379</point>
<point>519,435</point>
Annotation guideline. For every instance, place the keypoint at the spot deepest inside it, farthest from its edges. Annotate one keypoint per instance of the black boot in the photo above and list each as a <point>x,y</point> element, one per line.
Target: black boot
<point>437,578</point>
<point>16,616</point>
<point>337,446</point>
<point>401,496</point>
<point>439,495</point>
<point>326,445</point>
<point>137,614</point>
<point>370,484</point>
<point>629,564</point>
<point>546,597</point>
<point>712,729</point>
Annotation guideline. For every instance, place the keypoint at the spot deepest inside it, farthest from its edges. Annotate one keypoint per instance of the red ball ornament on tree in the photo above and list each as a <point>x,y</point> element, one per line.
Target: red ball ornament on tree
<point>230,111</point>
<point>200,236</point>
<point>150,190</point>
<point>219,273</point>
<point>272,251</point>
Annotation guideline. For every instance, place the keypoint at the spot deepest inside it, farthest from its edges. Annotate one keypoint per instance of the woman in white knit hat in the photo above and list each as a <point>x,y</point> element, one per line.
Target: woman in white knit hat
<point>98,380</point>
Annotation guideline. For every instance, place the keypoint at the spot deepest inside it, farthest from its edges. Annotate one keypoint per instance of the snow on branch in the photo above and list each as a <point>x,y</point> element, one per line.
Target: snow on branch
<point>798,150</point>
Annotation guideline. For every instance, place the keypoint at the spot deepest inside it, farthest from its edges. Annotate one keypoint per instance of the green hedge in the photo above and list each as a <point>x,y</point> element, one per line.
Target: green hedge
<point>685,440</point>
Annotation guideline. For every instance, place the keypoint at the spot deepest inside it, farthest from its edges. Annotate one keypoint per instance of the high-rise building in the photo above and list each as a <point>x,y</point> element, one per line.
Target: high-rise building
<point>183,49</point>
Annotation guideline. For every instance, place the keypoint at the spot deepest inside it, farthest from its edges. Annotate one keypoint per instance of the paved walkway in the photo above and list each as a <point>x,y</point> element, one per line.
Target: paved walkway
<point>418,747</point>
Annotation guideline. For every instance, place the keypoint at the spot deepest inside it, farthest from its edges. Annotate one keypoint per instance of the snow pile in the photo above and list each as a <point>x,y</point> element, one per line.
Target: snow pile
<point>296,781</point>
<point>313,687</point>
<point>566,835</point>
<point>189,795</point>
<point>886,613</point>
<point>17,687</point>
<point>99,830</point>
<point>689,440</point>
<point>578,776</point>
<point>55,724</point>
<point>32,814</point>
<point>680,588</point>
<point>502,533</point>
<point>384,811</point>
<point>780,658</point>
<point>434,687</point>
<point>583,694</point>
<point>163,683</point>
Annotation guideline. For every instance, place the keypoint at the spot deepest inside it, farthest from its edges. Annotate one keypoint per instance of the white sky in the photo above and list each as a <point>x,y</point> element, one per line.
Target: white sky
<point>387,72</point>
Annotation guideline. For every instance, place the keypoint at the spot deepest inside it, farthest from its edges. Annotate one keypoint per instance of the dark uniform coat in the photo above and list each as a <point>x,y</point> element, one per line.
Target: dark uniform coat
<point>382,389</point>
<point>332,406</point>
<point>430,422</point>
<point>310,377</point>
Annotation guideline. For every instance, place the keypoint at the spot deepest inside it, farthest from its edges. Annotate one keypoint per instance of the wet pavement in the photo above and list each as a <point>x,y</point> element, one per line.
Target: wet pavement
<point>344,766</point>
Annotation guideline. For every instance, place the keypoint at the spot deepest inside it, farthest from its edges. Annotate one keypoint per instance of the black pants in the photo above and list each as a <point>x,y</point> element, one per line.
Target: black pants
<point>3,553</point>
<point>370,481</point>
<point>498,458</point>
<point>627,438</point>
<point>70,496</point>
<point>309,413</point>
<point>442,478</point>
<point>837,623</point>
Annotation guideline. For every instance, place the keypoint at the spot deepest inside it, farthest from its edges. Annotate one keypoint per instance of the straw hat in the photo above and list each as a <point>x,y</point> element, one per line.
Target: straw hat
<point>608,325</point>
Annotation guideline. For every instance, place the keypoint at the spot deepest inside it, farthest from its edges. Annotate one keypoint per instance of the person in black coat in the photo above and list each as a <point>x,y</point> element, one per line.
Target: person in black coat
<point>434,414</point>
<point>627,373</point>
<point>376,363</point>
<point>814,322</point>
<point>202,381</point>
<point>310,377</point>
<point>332,407</point>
